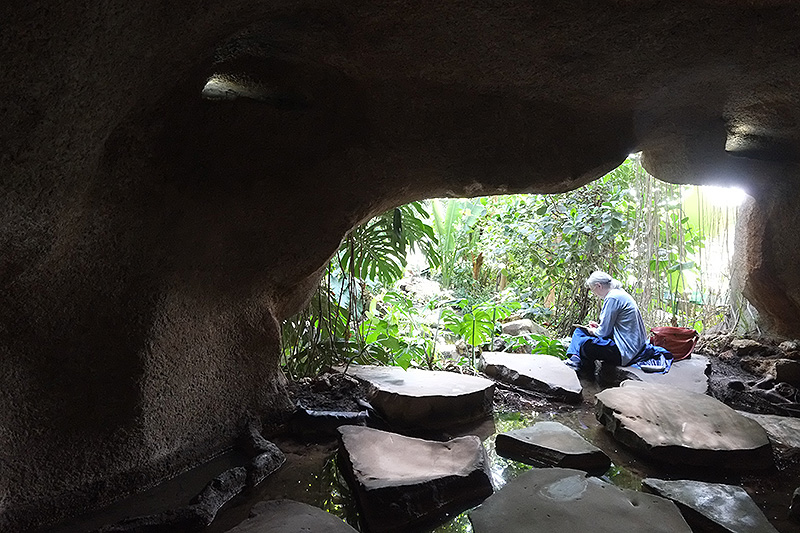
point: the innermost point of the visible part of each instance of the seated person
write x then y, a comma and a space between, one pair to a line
619, 336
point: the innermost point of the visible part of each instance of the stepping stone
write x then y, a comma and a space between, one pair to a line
681, 427
560, 500
552, 444
425, 399
781, 430
402, 483
712, 506
688, 374
535, 372
287, 516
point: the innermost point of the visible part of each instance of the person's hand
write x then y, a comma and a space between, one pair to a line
593, 324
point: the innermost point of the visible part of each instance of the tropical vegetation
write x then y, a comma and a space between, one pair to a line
503, 257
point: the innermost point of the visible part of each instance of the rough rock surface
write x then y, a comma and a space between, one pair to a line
194, 517
552, 444
712, 506
545, 374
402, 483
425, 399
682, 427
738, 388
690, 374
153, 240
781, 430
266, 457
287, 516
788, 371
558, 500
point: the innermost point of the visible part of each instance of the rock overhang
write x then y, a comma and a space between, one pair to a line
111, 197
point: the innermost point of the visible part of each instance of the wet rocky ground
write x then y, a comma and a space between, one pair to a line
312, 473
746, 375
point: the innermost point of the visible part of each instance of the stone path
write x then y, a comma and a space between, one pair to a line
425, 399
552, 444
287, 516
536, 372
712, 506
559, 500
402, 483
681, 427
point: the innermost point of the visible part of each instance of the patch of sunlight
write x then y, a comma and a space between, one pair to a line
724, 196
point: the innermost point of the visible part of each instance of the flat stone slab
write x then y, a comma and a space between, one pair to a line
535, 372
781, 430
288, 516
425, 399
712, 506
682, 427
552, 444
402, 483
560, 500
688, 374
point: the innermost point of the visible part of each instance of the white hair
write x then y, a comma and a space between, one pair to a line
598, 276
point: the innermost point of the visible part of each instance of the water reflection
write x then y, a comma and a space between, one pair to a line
340, 501
503, 470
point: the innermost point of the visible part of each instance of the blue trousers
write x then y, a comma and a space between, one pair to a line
587, 349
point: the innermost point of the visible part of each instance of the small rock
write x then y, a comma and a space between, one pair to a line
713, 344
321, 383
789, 346
737, 385
711, 506
552, 444
758, 365
448, 352
403, 484
743, 347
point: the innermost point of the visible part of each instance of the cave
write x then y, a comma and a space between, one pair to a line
176, 175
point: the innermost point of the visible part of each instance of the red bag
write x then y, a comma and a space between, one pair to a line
678, 341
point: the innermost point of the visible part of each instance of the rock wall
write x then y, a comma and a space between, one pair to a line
153, 240
767, 259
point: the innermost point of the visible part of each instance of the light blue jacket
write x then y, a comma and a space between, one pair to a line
620, 320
